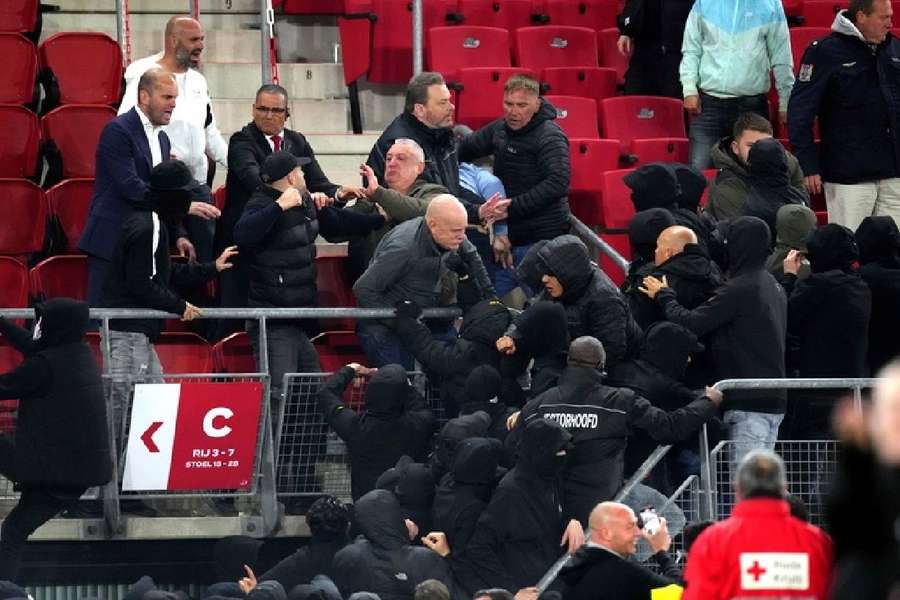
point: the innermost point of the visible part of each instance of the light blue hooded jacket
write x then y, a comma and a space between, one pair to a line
730, 46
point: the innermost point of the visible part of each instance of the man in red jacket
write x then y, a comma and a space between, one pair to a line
761, 550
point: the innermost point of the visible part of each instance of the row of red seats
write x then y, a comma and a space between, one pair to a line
76, 68
70, 132
26, 209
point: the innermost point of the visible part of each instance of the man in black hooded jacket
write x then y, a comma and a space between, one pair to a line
878, 239
746, 321
520, 533
600, 419
594, 306
462, 495
381, 560
769, 183
397, 422
61, 443
827, 313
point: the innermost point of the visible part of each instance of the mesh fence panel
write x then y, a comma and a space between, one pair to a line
809, 468
310, 458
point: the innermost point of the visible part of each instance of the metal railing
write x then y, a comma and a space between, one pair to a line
590, 237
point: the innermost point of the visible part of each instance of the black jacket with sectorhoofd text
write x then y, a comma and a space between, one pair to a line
62, 435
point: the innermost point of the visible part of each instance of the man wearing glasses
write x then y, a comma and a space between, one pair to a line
247, 150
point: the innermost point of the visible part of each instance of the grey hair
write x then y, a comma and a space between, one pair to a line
414, 146
760, 474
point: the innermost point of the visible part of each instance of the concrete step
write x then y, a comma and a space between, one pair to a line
106, 22
306, 115
342, 143
302, 81
168, 6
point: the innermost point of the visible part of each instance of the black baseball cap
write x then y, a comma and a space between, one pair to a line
278, 164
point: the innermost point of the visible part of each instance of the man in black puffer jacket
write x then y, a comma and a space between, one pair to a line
397, 422
594, 306
61, 445
531, 158
381, 560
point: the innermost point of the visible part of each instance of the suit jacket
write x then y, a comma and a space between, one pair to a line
247, 149
124, 163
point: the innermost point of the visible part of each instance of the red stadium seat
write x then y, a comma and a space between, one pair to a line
74, 132
183, 352
24, 217
337, 348
391, 60
219, 197
660, 150
18, 74
234, 354
610, 57
641, 117
588, 82
617, 206
577, 116
710, 175
13, 283
19, 16
589, 159
792, 7
481, 96
507, 14
92, 338
801, 38
335, 288
542, 47
595, 14
454, 48
821, 218
60, 276
81, 68
821, 13
325, 7
20, 140
69, 202
10, 358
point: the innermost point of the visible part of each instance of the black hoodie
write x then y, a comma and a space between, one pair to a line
141, 276
828, 310
745, 320
396, 422
382, 560
449, 437
461, 497
517, 536
594, 306
770, 185
413, 485
452, 361
541, 333
533, 164
62, 435
657, 185
879, 256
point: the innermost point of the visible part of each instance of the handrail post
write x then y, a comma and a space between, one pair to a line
264, 35
417, 37
857, 399
707, 505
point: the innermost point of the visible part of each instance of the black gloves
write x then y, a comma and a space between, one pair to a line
408, 309
456, 264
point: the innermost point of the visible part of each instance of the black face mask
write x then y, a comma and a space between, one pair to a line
173, 206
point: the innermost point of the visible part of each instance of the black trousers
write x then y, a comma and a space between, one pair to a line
36, 506
653, 71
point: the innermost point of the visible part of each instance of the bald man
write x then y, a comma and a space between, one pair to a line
688, 269
192, 129
601, 569
129, 147
421, 260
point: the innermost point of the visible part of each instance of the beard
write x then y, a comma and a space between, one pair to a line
183, 57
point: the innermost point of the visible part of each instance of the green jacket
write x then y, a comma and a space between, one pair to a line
728, 190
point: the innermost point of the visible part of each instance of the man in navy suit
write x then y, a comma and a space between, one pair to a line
130, 146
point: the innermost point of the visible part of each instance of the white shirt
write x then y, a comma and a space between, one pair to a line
271, 143
191, 138
155, 218
152, 133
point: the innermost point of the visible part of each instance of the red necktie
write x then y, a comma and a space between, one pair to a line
276, 142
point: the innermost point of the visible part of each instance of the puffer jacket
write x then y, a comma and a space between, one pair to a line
533, 164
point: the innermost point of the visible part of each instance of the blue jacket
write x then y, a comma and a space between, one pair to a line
123, 170
853, 87
730, 46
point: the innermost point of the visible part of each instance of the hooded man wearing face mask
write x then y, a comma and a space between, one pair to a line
61, 442
521, 532
769, 183
835, 294
879, 257
745, 322
141, 275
